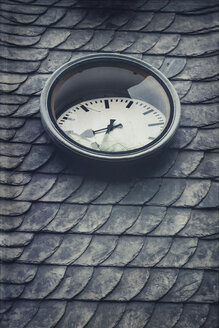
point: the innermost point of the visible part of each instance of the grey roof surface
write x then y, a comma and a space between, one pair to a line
95, 247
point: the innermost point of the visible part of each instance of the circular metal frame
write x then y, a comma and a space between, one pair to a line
61, 139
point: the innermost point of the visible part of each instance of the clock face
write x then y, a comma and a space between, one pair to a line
112, 124
110, 107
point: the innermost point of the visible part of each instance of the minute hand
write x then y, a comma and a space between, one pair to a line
108, 128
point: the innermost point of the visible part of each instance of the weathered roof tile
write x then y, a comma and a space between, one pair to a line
120, 220
71, 248
15, 238
51, 16
17, 273
26, 54
74, 282
76, 40
46, 280
41, 247
164, 279
67, 217
52, 38
102, 283
13, 208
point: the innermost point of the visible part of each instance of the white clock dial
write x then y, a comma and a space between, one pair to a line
112, 124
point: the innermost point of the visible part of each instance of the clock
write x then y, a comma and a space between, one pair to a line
110, 107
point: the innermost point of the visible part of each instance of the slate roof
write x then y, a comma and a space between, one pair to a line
80, 249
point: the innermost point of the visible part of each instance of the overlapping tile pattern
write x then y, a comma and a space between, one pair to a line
137, 249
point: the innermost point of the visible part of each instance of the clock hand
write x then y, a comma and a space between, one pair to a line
90, 133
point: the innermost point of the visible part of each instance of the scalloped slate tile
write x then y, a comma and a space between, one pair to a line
170, 314
126, 250
205, 140
199, 115
28, 109
13, 149
76, 40
10, 254
10, 192
155, 61
160, 22
39, 186
149, 218
202, 223
19, 40
18, 17
117, 19
173, 222
183, 137
94, 18
71, 248
72, 18
136, 315
8, 223
194, 192
141, 43
22, 9
53, 38
14, 178
33, 84
31, 130
13, 66
193, 316
159, 283
46, 280
169, 192
107, 315
7, 109
142, 192
6, 135
51, 16
99, 249
99, 40
208, 290
9, 292
165, 44
120, 42
77, 314
88, 191
121, 219
94, 218
8, 88
173, 66
186, 285
17, 273
67, 217
15, 238
74, 281
182, 87
53, 61
42, 246
138, 21
206, 255
103, 281
25, 54
201, 45
188, 6
179, 253
213, 317
199, 68
13, 208
64, 186
209, 166
34, 220
55, 164
115, 191
131, 283
200, 92
48, 314
211, 199
38, 156
20, 314
154, 249
193, 23
186, 163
